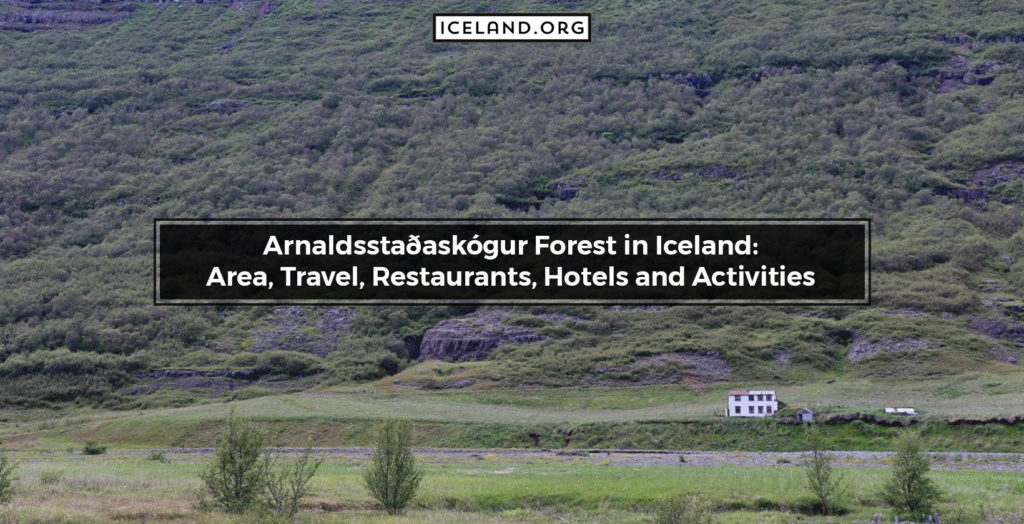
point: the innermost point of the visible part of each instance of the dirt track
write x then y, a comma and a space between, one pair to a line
859, 459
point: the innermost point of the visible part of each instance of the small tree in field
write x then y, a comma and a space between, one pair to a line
909, 490
824, 482
238, 475
7, 468
392, 477
685, 509
287, 484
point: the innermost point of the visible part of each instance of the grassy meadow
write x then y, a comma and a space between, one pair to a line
63, 487
649, 417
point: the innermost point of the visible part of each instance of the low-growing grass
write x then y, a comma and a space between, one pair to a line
651, 417
131, 487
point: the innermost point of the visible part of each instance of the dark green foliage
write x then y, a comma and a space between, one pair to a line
823, 480
392, 476
288, 363
786, 109
910, 490
288, 483
237, 478
684, 509
42, 378
93, 448
7, 477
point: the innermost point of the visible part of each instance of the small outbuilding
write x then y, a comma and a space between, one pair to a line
804, 416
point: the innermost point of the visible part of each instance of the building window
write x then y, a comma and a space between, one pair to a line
760, 397
737, 409
750, 397
738, 398
769, 410
760, 409
750, 409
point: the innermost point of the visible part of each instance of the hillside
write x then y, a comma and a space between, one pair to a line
113, 114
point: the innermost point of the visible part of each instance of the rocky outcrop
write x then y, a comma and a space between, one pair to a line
567, 189
969, 195
225, 107
1005, 355
985, 179
237, 374
36, 15
700, 82
960, 71
863, 348
302, 329
997, 328
999, 173
29, 15
472, 337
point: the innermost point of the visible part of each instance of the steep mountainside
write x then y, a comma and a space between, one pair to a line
116, 113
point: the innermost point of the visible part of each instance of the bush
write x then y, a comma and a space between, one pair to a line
822, 479
288, 363
288, 484
51, 477
909, 490
685, 509
159, 456
93, 448
238, 475
7, 478
392, 477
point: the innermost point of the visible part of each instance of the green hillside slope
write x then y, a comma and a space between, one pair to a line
112, 115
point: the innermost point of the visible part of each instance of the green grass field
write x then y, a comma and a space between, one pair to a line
654, 417
61, 487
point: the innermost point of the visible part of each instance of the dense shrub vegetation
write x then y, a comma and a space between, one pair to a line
7, 471
347, 109
392, 476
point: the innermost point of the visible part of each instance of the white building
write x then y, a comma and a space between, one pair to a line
901, 411
745, 403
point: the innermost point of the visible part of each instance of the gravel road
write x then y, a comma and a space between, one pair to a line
859, 459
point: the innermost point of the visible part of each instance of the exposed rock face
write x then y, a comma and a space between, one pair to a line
985, 178
298, 329
30, 15
997, 328
567, 189
225, 107
863, 348
1003, 354
36, 15
472, 337
968, 194
700, 82
999, 173
959, 71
